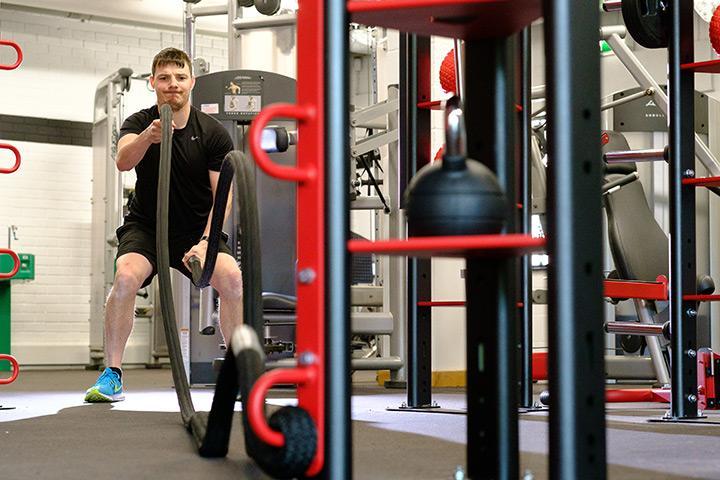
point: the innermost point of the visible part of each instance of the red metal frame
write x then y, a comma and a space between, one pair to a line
15, 369
657, 290
256, 402
701, 298
432, 105
702, 181
708, 396
540, 366
709, 66
16, 263
15, 151
18, 50
631, 395
441, 303
457, 246
309, 173
448, 18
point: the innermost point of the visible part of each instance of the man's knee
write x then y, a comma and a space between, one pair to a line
229, 284
129, 277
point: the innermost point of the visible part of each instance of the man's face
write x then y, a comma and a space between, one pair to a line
172, 85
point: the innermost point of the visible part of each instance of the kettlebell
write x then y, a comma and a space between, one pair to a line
457, 196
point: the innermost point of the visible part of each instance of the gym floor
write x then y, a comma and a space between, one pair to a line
51, 434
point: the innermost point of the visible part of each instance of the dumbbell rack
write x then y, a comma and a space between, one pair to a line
6, 251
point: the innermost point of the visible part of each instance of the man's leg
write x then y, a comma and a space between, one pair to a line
132, 270
227, 280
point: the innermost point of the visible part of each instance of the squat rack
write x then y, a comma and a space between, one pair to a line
577, 440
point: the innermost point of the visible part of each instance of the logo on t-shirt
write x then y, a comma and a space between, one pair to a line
194, 137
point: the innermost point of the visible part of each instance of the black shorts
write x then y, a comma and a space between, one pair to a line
134, 237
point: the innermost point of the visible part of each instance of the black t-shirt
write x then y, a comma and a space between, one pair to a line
198, 147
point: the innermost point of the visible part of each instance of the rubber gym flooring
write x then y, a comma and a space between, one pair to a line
51, 434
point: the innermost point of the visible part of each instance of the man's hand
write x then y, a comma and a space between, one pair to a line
199, 251
154, 131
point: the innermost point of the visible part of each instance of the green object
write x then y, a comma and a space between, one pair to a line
605, 47
26, 272
27, 266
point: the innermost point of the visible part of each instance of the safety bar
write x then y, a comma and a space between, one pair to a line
16, 263
612, 6
256, 400
651, 155
15, 369
17, 158
18, 50
302, 114
634, 328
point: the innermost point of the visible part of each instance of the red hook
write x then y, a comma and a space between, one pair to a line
14, 45
17, 158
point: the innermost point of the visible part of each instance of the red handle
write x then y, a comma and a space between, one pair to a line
302, 114
256, 402
17, 50
16, 263
17, 158
15, 367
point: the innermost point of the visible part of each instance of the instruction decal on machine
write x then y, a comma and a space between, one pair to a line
210, 108
243, 95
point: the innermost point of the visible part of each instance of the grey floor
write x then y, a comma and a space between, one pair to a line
51, 434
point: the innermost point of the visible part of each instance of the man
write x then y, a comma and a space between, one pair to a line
199, 144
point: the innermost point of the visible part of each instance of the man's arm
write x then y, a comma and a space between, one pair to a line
132, 147
200, 249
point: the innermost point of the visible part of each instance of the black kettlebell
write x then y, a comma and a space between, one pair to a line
458, 196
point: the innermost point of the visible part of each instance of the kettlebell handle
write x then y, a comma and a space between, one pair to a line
455, 137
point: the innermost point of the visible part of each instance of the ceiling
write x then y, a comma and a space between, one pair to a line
165, 12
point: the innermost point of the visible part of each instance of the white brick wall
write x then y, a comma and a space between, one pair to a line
49, 197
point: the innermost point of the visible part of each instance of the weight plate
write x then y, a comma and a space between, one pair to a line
647, 21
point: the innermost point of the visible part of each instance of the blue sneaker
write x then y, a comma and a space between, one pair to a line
108, 388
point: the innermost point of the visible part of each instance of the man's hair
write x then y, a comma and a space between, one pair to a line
173, 56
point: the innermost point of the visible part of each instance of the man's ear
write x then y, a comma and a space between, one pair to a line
152, 81
192, 84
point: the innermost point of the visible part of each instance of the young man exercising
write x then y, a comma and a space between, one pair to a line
199, 145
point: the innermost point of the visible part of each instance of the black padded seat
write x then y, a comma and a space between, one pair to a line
638, 245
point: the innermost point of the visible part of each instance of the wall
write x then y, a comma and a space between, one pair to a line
49, 197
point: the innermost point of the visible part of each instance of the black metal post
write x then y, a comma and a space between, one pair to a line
491, 293
338, 439
683, 315
414, 153
526, 326
576, 370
